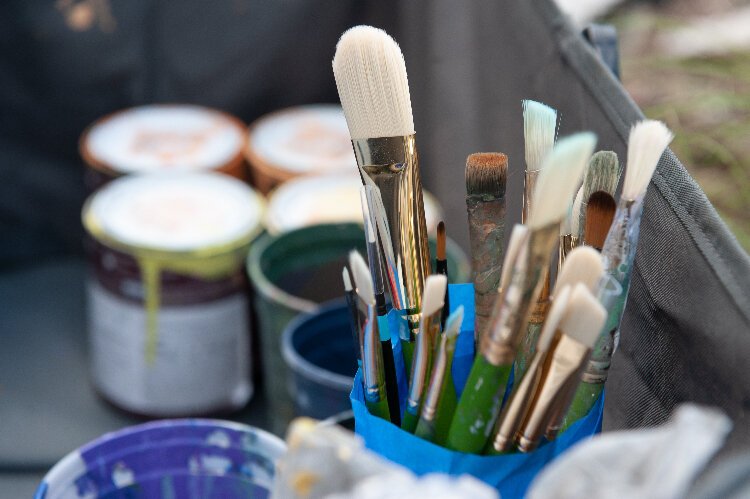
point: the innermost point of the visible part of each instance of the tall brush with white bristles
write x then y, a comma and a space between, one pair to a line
539, 132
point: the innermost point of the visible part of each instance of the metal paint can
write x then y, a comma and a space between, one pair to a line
163, 138
303, 140
326, 199
168, 307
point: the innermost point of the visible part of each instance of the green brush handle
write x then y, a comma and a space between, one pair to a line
425, 430
584, 399
407, 347
378, 408
478, 407
409, 422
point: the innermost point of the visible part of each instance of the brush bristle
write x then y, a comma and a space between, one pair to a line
454, 321
602, 174
486, 174
559, 178
575, 213
599, 214
370, 75
647, 142
539, 128
551, 323
584, 316
347, 279
582, 265
517, 240
362, 278
434, 294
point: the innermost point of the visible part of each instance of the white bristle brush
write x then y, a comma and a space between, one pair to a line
362, 278
583, 265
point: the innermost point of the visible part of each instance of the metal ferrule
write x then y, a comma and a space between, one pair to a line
422, 363
510, 420
566, 363
515, 305
529, 184
439, 377
567, 243
372, 358
392, 164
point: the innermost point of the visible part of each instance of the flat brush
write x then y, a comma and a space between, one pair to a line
374, 256
371, 79
373, 375
429, 328
353, 314
599, 214
440, 399
514, 412
603, 174
647, 142
441, 267
486, 175
579, 328
482, 397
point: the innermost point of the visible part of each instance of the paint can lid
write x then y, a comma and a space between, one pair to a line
328, 198
175, 213
301, 140
168, 138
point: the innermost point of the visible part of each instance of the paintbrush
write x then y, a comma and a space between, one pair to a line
483, 395
514, 412
374, 256
486, 175
602, 174
353, 314
372, 84
569, 239
579, 328
441, 267
539, 130
373, 376
647, 142
429, 328
440, 399
599, 214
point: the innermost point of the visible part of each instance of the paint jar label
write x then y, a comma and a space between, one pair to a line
201, 362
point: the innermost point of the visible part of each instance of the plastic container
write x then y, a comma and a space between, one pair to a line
187, 458
168, 307
294, 273
161, 138
320, 354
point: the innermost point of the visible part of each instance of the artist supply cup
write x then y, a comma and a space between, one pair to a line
189, 458
321, 358
293, 273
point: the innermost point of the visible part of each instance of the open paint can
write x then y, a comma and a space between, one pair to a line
297, 141
163, 138
190, 459
325, 199
168, 307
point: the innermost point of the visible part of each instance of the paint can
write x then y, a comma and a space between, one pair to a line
327, 198
302, 140
188, 458
168, 307
163, 138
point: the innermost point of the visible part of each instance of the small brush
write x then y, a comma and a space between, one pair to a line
579, 328
441, 267
510, 420
429, 328
602, 174
647, 142
599, 214
482, 397
353, 314
372, 355
371, 79
440, 399
486, 175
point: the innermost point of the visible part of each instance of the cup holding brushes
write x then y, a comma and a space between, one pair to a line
373, 370
646, 144
371, 79
421, 367
440, 399
482, 397
579, 328
486, 175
